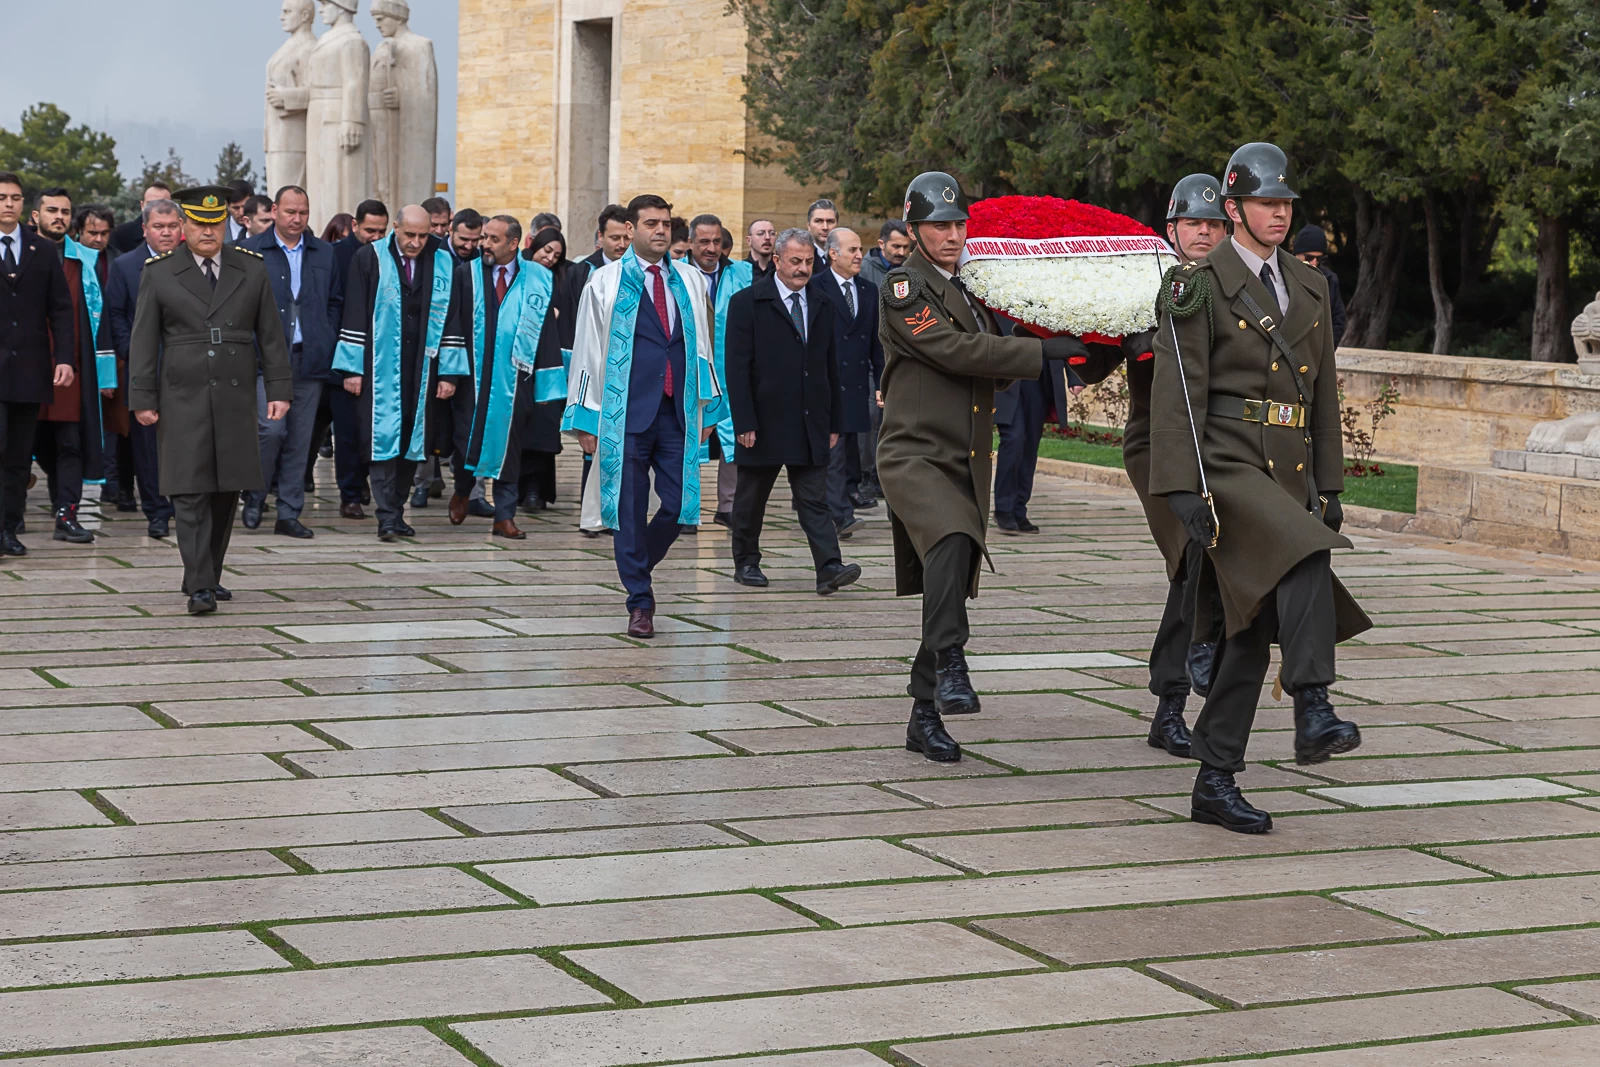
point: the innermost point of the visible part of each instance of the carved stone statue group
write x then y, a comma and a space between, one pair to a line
348, 123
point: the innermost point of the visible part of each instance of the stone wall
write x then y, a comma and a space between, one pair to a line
1456, 410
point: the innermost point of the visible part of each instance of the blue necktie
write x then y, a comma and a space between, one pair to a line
797, 313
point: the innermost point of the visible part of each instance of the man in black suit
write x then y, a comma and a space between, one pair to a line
349, 454
35, 349
783, 389
821, 217
611, 237
130, 234
239, 194
855, 318
163, 229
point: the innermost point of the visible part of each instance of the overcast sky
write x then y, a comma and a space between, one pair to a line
158, 76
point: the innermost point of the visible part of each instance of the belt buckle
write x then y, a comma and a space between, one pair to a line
1252, 411
216, 336
1267, 324
1282, 415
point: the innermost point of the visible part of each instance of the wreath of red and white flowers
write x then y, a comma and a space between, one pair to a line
1061, 266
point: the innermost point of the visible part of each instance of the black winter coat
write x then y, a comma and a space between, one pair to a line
35, 322
784, 389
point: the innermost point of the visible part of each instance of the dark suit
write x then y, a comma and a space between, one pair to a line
860, 364
126, 237
785, 387
349, 456
192, 359
141, 464
35, 338
286, 443
69, 442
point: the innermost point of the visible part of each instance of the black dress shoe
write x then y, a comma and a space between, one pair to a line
835, 578
1318, 732
10, 546
480, 508
750, 574
157, 528
723, 518
365, 497
1167, 729
351, 510
401, 528
67, 528
202, 603
311, 485
326, 451
925, 733
1025, 526
1216, 799
848, 528
387, 532
863, 501
126, 503
1202, 664
250, 514
291, 528
1006, 523
954, 694
222, 592
533, 502
419, 497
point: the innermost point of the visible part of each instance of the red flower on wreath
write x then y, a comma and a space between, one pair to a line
1036, 217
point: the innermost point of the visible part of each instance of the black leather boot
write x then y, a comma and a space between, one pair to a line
68, 529
954, 694
1318, 732
1202, 665
925, 733
1217, 800
1167, 729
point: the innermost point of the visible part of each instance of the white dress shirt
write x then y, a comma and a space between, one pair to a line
785, 293
16, 244
1253, 264
506, 270
666, 280
847, 286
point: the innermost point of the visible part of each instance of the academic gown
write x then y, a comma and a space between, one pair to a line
401, 339
515, 349
731, 278
602, 361
95, 362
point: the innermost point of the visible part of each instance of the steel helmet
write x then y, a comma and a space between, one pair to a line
934, 196
1261, 169
1196, 196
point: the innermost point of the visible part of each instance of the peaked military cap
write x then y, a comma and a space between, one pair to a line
205, 204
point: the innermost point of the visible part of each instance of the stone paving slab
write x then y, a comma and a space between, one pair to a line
1277, 801
327, 796
116, 959
200, 1007
1496, 959
29, 811
753, 772
181, 868
128, 909
208, 712
217, 836
767, 964
1263, 1030
468, 729
951, 820
1085, 785
893, 734
391, 1046
1515, 858
575, 924
1171, 930
558, 751
121, 773
1548, 1048
514, 847
1115, 887
770, 1024
144, 743
665, 874
1461, 909
1412, 795
74, 720
836, 1058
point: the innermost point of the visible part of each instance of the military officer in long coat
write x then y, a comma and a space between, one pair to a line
944, 355
1246, 447
203, 312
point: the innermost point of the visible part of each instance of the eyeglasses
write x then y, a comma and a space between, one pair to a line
1312, 258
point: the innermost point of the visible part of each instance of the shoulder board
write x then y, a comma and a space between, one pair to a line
901, 288
247, 251
164, 255
1185, 290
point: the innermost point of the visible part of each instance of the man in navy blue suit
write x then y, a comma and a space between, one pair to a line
855, 329
163, 230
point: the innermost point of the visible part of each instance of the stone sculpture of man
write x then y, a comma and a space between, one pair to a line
288, 93
404, 101
338, 150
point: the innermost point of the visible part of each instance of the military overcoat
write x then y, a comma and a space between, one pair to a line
1259, 474
942, 364
192, 359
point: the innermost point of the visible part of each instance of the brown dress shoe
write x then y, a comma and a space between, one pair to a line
352, 510
458, 509
642, 622
507, 528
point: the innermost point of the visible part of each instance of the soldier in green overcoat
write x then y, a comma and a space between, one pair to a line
203, 310
944, 356
1246, 446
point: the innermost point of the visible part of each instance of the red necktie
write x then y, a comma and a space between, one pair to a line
411, 266
500, 284
659, 298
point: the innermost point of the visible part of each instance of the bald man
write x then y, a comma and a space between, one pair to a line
400, 309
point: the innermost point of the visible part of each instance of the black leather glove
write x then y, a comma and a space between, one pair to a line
1135, 345
1064, 347
1332, 511
1192, 510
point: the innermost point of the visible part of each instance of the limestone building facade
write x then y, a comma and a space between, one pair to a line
572, 104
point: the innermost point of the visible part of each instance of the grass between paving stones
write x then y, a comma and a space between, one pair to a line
104, 806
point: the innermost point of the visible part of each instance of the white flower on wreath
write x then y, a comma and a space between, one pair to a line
1111, 295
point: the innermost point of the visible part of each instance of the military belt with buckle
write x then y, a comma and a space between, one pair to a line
1266, 412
